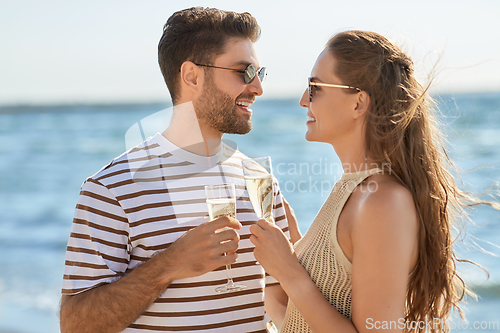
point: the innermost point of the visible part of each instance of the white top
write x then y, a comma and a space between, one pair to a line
142, 202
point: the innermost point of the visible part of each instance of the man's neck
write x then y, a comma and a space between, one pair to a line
187, 133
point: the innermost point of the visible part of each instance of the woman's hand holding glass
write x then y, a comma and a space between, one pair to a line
273, 250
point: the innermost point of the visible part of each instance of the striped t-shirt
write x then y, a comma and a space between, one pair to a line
141, 203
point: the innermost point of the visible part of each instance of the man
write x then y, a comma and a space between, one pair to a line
142, 255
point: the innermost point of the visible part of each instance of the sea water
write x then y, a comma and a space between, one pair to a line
46, 153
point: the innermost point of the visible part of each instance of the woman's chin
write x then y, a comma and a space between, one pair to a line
310, 137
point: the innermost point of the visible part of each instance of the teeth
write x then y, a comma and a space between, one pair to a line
244, 104
311, 118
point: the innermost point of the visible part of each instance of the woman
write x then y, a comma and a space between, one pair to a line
380, 249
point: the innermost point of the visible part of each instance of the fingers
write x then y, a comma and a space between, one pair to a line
202, 250
293, 225
254, 240
255, 229
228, 259
225, 253
265, 224
265, 233
258, 230
228, 247
262, 226
226, 235
221, 222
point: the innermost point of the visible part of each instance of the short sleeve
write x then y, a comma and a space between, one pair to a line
98, 249
280, 220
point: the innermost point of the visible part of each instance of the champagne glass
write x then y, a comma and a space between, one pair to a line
221, 201
259, 181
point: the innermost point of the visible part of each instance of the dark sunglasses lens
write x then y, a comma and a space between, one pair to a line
310, 90
250, 73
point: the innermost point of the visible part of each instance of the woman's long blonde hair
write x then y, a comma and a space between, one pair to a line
402, 132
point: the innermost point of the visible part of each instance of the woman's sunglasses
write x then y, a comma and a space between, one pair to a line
249, 73
311, 87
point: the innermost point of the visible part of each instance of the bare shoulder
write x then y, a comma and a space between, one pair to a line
385, 202
386, 228
384, 193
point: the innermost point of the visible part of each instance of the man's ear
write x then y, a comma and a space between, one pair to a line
362, 104
191, 77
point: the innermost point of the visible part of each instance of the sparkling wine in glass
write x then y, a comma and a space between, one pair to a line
221, 201
259, 181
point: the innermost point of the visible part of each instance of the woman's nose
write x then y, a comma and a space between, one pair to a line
304, 101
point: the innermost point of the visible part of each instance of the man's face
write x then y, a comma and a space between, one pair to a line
226, 99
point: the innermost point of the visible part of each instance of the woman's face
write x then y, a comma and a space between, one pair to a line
331, 112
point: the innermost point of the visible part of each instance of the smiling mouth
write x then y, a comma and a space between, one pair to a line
310, 119
244, 105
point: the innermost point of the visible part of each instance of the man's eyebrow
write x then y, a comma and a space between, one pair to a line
242, 63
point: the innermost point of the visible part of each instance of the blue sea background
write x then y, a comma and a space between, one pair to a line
48, 151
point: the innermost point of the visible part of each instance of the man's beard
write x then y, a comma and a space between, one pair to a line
218, 110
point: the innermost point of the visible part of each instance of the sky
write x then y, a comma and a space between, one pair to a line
105, 51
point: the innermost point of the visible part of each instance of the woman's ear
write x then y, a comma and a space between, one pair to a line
362, 104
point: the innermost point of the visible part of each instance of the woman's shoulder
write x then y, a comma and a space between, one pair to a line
384, 200
384, 191
386, 223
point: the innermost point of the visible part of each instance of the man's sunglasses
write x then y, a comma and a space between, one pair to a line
311, 87
250, 72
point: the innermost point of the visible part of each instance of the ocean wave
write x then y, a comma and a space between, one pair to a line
487, 290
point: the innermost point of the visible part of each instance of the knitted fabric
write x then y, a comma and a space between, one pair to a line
321, 255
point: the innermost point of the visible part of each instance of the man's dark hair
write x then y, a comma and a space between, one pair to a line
199, 35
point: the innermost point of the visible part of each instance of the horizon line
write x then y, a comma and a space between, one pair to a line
168, 102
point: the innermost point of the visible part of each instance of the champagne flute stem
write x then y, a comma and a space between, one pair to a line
229, 275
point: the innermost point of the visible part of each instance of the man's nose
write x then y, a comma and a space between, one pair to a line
256, 87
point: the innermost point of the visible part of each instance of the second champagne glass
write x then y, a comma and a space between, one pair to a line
258, 174
221, 201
